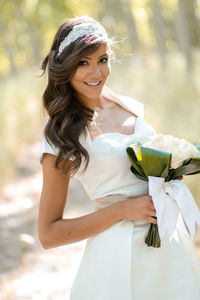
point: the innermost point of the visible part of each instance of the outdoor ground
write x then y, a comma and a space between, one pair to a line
27, 271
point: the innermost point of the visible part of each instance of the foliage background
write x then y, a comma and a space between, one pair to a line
158, 46
158, 52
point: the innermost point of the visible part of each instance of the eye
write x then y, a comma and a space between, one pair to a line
104, 60
82, 63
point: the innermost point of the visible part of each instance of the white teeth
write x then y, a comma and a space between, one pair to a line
91, 83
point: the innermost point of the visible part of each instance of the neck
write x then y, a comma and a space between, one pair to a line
91, 103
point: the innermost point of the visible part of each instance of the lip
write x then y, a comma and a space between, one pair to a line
94, 86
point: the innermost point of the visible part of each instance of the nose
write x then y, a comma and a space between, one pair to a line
95, 71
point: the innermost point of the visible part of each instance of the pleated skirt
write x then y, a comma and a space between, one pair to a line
118, 265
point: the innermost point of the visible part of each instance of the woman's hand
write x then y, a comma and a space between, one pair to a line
179, 178
139, 208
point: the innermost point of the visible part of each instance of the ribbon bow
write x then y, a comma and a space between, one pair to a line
175, 207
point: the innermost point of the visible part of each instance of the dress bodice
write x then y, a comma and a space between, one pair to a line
108, 171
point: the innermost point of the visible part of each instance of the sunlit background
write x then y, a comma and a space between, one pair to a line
158, 58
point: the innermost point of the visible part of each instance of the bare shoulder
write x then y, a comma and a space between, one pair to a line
118, 108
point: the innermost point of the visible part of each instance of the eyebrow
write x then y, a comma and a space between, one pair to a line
106, 54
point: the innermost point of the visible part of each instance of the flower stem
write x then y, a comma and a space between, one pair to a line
153, 239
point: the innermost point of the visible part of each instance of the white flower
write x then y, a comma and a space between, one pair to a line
179, 148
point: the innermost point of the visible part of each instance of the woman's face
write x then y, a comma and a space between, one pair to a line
91, 74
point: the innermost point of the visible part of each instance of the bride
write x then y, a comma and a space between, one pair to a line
87, 132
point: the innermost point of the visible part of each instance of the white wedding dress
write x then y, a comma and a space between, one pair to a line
116, 263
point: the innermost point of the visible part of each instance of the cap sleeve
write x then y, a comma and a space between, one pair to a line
47, 148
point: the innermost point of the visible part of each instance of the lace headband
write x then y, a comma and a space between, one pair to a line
80, 30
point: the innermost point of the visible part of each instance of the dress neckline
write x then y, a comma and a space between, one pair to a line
103, 135
128, 103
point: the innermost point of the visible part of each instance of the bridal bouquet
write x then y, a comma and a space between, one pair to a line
160, 161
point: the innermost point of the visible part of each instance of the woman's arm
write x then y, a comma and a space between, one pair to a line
55, 231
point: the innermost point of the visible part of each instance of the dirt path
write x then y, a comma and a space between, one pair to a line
27, 271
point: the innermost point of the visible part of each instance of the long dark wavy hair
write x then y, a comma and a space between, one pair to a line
67, 116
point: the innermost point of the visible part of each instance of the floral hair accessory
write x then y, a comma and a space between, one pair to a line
80, 30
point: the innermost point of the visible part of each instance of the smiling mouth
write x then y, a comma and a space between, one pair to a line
93, 83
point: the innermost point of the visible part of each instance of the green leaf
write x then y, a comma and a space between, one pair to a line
165, 172
191, 168
154, 162
196, 144
133, 159
135, 172
151, 162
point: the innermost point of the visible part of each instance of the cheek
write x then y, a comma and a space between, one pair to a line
78, 77
107, 70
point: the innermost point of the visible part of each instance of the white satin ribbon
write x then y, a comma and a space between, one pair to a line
175, 207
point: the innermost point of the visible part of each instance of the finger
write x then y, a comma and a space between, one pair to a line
152, 220
149, 198
151, 206
153, 213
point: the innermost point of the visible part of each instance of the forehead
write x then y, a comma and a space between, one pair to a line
102, 49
